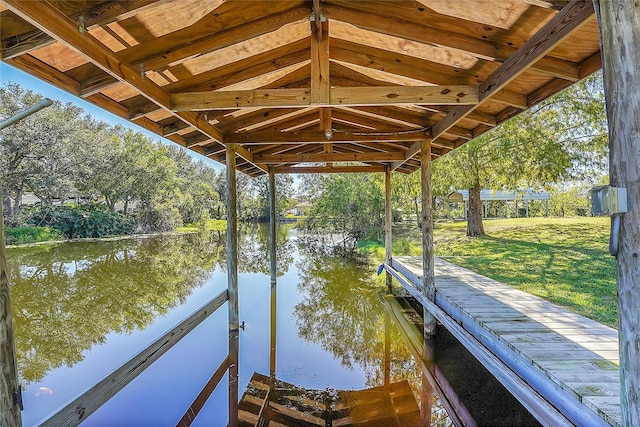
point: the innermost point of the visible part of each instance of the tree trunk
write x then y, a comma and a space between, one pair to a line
620, 36
126, 207
6, 203
18, 199
474, 220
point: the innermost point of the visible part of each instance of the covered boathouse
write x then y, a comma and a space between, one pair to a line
292, 86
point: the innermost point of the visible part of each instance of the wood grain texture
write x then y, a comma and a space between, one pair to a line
9, 411
620, 27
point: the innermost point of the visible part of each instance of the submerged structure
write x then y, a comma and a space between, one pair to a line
295, 86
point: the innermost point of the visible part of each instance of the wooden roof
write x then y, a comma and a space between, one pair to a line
307, 86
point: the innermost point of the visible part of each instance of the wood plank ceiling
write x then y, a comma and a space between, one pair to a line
307, 86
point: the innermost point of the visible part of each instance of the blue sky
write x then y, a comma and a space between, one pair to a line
11, 74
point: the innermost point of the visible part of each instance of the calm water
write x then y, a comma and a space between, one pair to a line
83, 309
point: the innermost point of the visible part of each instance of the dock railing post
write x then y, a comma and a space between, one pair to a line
272, 223
232, 282
428, 275
619, 23
273, 253
9, 409
388, 236
10, 393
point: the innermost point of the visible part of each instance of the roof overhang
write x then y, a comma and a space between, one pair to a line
307, 86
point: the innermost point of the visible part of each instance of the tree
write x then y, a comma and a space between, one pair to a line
38, 154
564, 137
353, 203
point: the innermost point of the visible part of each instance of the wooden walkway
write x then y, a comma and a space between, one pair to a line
564, 356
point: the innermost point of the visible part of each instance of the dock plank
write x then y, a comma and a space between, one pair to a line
577, 354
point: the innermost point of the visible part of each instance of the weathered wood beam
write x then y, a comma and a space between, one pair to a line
9, 383
619, 23
428, 261
94, 16
401, 95
319, 137
348, 96
50, 20
330, 169
232, 280
320, 86
328, 157
572, 17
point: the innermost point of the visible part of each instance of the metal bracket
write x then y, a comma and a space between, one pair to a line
17, 398
81, 25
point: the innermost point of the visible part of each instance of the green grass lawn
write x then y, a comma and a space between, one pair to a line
210, 225
563, 260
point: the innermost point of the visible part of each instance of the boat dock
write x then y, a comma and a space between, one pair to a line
556, 360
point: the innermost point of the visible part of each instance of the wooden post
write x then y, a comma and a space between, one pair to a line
387, 220
272, 223
620, 37
232, 282
428, 279
387, 349
9, 410
273, 253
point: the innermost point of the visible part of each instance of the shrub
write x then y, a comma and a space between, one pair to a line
83, 221
20, 235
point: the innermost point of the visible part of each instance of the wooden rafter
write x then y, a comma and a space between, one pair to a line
316, 79
50, 20
348, 96
554, 32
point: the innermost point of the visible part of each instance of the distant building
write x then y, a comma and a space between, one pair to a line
507, 197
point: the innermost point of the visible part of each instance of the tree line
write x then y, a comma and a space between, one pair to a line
111, 175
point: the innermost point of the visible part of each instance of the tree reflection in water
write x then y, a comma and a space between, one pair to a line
68, 297
340, 311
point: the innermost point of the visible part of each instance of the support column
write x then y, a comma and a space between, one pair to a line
546, 208
466, 210
387, 349
272, 223
526, 204
232, 282
388, 236
273, 259
517, 212
620, 38
428, 278
9, 411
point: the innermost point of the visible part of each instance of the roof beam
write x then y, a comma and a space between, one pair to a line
570, 18
163, 52
50, 20
329, 169
339, 96
328, 157
320, 88
319, 137
100, 14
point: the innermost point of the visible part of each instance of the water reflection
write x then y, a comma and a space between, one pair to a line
333, 328
69, 297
